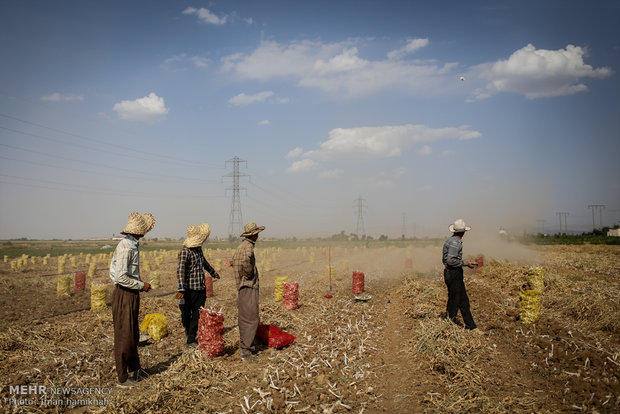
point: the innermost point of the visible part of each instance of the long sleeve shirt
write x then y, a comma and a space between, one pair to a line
190, 270
244, 265
453, 252
125, 265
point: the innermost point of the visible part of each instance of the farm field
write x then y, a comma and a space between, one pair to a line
393, 353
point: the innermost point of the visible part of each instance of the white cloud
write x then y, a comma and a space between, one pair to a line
264, 122
337, 172
412, 46
385, 141
243, 99
249, 21
283, 100
336, 68
425, 150
178, 63
148, 109
58, 97
539, 73
294, 153
206, 16
302, 166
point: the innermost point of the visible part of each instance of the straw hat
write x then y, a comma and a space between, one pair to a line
139, 223
196, 235
458, 226
251, 229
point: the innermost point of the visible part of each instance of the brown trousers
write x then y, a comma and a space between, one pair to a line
125, 308
247, 305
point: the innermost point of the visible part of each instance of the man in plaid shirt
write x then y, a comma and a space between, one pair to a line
191, 287
246, 277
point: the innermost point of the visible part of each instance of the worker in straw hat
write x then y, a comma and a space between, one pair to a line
191, 289
453, 274
246, 277
125, 273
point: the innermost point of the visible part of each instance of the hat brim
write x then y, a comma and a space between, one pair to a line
453, 230
253, 232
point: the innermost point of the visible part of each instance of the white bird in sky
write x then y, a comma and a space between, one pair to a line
462, 78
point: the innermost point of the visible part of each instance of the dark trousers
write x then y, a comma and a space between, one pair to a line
190, 312
457, 297
247, 305
125, 308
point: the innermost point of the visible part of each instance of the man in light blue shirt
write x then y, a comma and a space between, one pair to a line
125, 273
453, 275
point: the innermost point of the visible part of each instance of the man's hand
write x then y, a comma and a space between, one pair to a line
470, 265
179, 295
147, 287
216, 275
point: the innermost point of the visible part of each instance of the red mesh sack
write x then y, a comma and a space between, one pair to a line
209, 285
358, 282
408, 263
273, 337
480, 261
290, 296
210, 332
80, 281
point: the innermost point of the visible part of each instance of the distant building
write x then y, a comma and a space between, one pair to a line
613, 232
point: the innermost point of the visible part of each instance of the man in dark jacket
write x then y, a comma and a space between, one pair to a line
191, 288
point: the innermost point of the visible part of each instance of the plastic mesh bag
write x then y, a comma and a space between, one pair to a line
274, 337
156, 325
98, 297
529, 306
279, 288
64, 286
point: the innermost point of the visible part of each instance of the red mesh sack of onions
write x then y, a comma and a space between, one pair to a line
210, 332
290, 296
274, 337
209, 285
358, 282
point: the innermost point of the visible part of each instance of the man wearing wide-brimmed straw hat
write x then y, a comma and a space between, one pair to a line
125, 273
453, 274
246, 277
191, 288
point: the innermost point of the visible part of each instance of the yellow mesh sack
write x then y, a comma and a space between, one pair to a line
64, 286
278, 291
529, 306
156, 325
535, 278
92, 268
155, 283
98, 297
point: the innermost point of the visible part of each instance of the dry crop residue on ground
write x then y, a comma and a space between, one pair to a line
394, 353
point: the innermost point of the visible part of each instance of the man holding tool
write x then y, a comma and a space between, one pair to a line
453, 275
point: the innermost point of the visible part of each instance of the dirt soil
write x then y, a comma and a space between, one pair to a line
389, 349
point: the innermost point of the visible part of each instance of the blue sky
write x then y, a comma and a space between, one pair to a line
500, 112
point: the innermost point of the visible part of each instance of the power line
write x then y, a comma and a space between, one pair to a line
142, 151
109, 167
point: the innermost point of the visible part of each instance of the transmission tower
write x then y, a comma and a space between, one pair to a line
361, 207
600, 208
563, 214
235, 223
404, 227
